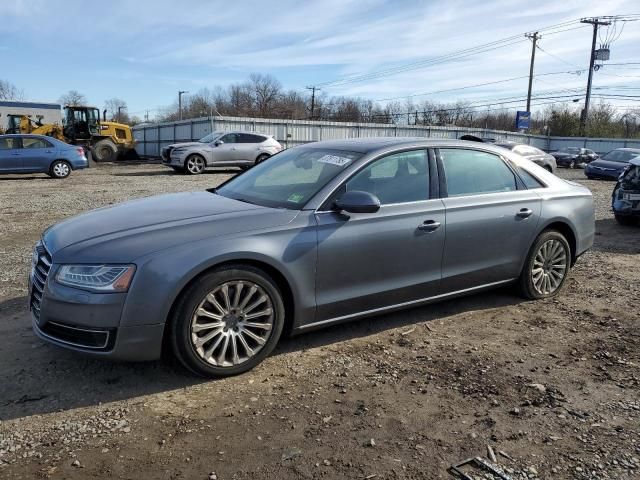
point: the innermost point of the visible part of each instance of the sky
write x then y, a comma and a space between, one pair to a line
144, 51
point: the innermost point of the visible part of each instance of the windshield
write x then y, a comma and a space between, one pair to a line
290, 178
570, 150
210, 138
622, 156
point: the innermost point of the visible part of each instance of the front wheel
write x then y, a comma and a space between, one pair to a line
59, 169
227, 322
195, 165
546, 267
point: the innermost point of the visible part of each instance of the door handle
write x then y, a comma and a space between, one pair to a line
524, 213
16, 153
429, 226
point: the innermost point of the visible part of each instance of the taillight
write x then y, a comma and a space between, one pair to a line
80, 150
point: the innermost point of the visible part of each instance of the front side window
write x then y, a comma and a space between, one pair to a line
398, 178
230, 138
471, 172
289, 179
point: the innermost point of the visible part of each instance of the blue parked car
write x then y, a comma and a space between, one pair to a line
625, 200
611, 166
40, 154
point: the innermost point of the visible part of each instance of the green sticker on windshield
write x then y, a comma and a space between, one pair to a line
295, 197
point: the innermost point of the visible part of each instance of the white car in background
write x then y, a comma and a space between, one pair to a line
220, 149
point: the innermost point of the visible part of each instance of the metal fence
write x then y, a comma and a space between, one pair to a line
152, 137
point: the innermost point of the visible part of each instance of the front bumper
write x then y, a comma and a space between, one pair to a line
87, 322
601, 174
624, 207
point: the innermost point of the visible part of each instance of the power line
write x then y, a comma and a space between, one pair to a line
553, 29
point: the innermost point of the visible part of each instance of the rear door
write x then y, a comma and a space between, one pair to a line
11, 154
38, 154
491, 219
249, 145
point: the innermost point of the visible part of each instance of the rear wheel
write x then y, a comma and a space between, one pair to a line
227, 322
626, 221
105, 151
195, 164
262, 158
59, 169
546, 267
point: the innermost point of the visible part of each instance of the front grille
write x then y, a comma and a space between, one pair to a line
79, 337
166, 154
39, 277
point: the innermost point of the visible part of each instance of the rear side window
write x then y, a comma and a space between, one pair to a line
529, 180
249, 138
9, 143
471, 172
35, 143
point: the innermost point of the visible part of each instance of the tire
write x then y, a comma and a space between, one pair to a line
262, 158
178, 169
626, 221
60, 169
195, 164
105, 151
572, 164
207, 358
549, 247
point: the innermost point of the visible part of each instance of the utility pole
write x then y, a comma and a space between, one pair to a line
313, 99
534, 40
596, 22
146, 116
180, 93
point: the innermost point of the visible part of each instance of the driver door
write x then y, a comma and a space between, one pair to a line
370, 261
227, 151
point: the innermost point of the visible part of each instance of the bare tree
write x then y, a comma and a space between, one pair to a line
117, 109
73, 97
265, 90
8, 91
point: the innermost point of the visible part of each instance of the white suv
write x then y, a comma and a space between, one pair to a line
220, 149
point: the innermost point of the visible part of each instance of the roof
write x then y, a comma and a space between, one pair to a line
366, 145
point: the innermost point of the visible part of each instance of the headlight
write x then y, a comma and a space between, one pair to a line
102, 278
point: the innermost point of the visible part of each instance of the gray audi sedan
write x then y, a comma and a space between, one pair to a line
314, 236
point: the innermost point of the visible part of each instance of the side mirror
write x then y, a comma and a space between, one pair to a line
218, 143
357, 201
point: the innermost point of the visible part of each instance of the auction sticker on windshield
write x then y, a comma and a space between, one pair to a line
295, 197
334, 160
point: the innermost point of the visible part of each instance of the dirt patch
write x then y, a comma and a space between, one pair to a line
553, 385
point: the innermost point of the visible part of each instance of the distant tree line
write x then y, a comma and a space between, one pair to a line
263, 96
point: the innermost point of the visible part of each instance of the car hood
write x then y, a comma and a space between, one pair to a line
124, 232
607, 164
563, 155
188, 144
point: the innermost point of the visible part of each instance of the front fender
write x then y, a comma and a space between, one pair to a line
163, 275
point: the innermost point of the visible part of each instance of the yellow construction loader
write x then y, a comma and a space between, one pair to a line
81, 125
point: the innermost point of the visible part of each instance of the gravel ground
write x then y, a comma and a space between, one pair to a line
551, 386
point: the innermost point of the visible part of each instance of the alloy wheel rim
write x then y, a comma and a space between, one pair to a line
549, 267
61, 169
232, 323
195, 165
